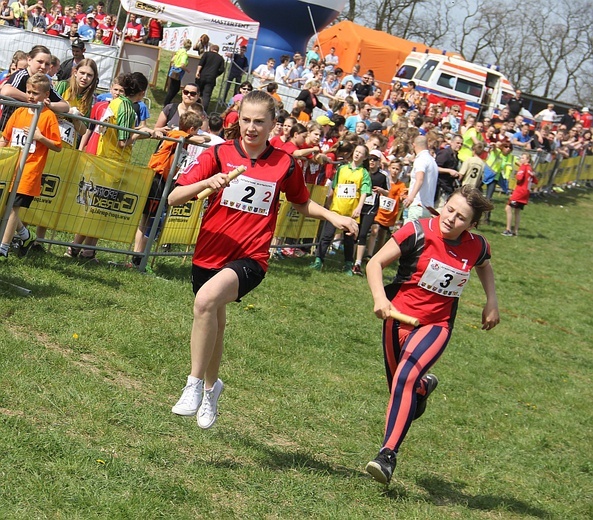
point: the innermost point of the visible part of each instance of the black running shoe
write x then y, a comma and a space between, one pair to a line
431, 384
26, 244
381, 468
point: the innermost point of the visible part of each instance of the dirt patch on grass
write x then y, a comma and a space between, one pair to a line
87, 362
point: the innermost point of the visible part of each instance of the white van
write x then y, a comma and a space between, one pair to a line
452, 77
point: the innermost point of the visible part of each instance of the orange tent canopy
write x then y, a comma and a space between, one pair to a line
376, 50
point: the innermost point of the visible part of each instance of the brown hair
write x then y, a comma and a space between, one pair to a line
188, 120
84, 95
476, 200
259, 97
40, 80
478, 147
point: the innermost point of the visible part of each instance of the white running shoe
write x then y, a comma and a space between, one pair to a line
208, 411
190, 400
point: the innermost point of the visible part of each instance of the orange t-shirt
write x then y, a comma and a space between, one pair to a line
303, 117
372, 100
13, 134
161, 160
387, 214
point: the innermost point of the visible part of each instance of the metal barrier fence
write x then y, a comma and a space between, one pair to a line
103, 198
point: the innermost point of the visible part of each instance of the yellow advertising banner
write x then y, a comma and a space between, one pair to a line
182, 224
310, 225
104, 198
9, 158
289, 222
543, 172
587, 171
45, 210
567, 171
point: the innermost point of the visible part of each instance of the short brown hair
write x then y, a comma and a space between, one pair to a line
41, 81
188, 120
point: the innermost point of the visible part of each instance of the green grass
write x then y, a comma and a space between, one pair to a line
91, 364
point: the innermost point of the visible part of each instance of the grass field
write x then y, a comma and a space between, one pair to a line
91, 364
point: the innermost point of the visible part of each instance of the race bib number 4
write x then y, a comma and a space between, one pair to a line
443, 279
249, 195
67, 132
346, 191
19, 138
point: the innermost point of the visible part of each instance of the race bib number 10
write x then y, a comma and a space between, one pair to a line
249, 195
19, 138
443, 279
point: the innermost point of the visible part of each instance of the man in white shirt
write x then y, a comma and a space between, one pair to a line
423, 182
281, 76
295, 71
331, 60
264, 73
547, 116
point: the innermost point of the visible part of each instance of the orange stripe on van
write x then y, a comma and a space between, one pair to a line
466, 69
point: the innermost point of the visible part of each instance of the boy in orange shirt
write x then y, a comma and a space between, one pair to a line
46, 137
389, 207
161, 162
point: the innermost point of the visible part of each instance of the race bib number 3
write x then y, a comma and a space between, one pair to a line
249, 195
443, 279
19, 138
346, 191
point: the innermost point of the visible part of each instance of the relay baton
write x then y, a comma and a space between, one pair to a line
404, 318
232, 175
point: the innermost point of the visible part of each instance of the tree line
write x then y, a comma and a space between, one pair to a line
544, 47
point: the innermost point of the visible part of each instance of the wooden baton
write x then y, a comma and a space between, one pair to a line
404, 318
232, 175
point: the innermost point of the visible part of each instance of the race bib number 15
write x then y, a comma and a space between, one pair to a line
386, 204
249, 195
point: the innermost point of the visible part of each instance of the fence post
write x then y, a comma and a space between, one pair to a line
161, 207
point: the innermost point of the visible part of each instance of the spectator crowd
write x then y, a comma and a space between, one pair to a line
386, 153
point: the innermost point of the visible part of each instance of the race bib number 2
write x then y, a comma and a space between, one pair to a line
443, 279
249, 195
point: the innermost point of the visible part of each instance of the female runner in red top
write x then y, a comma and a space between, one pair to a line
435, 256
232, 250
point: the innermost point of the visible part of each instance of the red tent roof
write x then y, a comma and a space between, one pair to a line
219, 15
